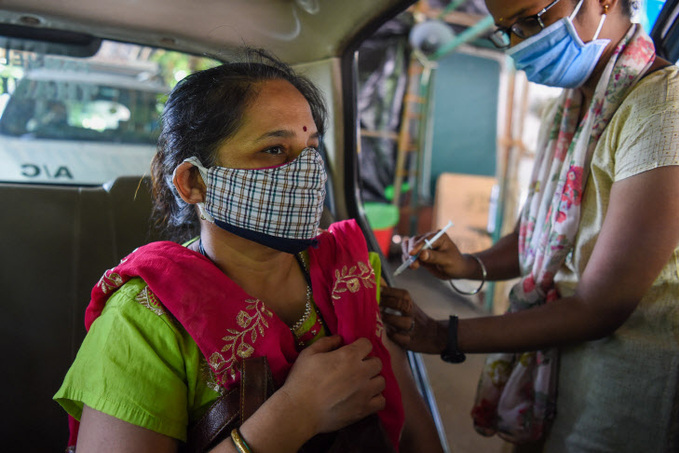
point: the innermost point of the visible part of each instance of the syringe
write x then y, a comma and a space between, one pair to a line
427, 245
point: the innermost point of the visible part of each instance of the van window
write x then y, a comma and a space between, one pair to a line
85, 121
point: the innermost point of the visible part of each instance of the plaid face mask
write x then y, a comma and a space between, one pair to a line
279, 207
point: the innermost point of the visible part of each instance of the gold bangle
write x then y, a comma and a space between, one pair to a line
484, 274
239, 442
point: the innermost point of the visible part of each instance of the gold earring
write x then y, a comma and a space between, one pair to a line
605, 9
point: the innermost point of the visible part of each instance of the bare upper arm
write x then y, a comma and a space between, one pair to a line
638, 236
103, 433
419, 432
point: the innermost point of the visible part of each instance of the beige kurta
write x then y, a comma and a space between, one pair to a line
621, 393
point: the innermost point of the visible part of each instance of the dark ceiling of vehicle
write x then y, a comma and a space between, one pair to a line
297, 31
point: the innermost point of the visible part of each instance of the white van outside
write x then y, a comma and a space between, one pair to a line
68, 121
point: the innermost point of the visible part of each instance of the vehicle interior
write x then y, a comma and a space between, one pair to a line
63, 236
63, 229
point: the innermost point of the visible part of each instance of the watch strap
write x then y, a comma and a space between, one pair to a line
451, 354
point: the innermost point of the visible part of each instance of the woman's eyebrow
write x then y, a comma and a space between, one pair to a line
282, 133
279, 133
513, 16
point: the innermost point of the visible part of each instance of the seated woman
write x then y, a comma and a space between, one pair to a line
169, 326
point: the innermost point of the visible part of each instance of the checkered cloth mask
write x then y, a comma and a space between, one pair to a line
277, 206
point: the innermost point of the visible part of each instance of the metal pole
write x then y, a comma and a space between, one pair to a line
469, 34
451, 7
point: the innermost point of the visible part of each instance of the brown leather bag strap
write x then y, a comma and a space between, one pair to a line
255, 387
232, 408
216, 424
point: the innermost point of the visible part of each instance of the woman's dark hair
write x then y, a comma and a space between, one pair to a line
203, 110
628, 7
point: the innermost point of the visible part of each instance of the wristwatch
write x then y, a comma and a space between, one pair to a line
451, 354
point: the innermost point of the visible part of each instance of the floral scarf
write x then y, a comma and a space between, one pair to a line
228, 325
516, 396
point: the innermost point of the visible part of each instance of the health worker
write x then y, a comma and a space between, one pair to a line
587, 357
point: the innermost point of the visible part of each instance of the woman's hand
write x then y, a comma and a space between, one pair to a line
336, 385
411, 329
443, 260
329, 387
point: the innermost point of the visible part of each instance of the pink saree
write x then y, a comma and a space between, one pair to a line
228, 325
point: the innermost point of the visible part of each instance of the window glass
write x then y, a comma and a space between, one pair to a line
67, 120
648, 13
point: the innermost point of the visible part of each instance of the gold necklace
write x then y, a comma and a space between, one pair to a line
307, 311
308, 305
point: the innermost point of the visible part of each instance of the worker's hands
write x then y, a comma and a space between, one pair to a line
336, 385
411, 329
443, 260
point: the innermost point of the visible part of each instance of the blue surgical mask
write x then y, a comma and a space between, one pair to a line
557, 57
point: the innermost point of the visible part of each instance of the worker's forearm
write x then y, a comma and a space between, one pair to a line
501, 260
557, 323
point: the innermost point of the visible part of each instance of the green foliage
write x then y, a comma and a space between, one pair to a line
174, 66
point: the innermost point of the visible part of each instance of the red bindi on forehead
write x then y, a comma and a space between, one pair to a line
304, 128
